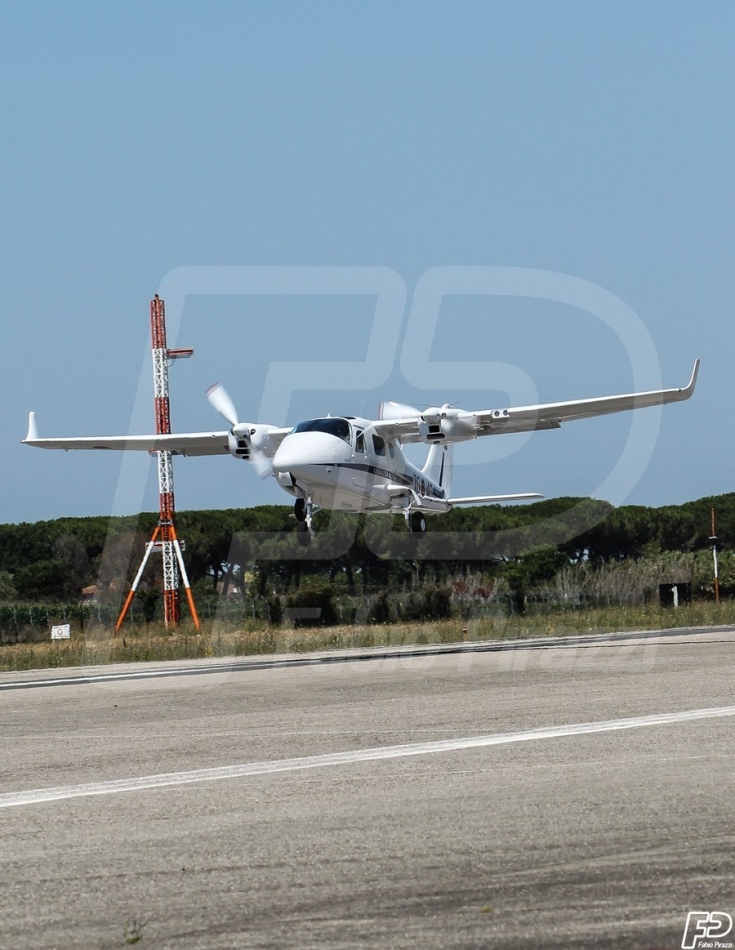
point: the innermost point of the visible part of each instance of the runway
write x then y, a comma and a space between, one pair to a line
578, 795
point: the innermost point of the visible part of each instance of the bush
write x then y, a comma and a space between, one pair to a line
51, 579
438, 603
316, 598
7, 587
380, 608
275, 611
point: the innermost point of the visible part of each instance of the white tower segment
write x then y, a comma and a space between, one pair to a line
165, 532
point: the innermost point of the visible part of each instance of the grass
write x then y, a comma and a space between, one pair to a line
97, 645
133, 931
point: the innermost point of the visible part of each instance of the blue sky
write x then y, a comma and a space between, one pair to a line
584, 139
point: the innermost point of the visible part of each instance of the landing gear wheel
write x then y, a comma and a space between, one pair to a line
417, 522
299, 509
302, 534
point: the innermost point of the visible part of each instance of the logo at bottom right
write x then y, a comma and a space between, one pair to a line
705, 929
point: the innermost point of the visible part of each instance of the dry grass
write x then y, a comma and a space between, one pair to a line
96, 645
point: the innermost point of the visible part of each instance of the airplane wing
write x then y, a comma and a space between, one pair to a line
447, 424
492, 499
183, 443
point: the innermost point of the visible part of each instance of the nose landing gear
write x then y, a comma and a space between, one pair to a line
303, 510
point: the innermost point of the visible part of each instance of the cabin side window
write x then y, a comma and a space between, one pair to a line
360, 442
378, 445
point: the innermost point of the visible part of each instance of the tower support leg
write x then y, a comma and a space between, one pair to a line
134, 585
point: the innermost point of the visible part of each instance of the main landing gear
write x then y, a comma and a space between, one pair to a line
416, 522
303, 511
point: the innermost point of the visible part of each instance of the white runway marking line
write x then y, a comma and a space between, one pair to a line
37, 795
639, 638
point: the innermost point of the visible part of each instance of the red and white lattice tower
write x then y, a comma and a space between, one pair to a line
164, 535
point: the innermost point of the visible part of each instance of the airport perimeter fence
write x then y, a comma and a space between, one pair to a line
320, 607
24, 623
311, 607
31, 623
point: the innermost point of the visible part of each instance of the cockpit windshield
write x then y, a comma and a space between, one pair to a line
338, 427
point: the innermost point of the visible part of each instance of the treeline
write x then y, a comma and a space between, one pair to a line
565, 550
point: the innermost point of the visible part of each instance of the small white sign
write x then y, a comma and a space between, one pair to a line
61, 632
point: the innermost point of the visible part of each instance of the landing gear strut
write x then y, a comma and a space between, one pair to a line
303, 510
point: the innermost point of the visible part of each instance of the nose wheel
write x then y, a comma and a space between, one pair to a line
303, 510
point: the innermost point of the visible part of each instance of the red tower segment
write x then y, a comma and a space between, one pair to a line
171, 610
165, 533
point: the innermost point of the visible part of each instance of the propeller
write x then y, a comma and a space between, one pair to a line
391, 411
220, 400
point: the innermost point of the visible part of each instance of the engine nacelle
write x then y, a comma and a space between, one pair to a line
247, 438
238, 441
438, 425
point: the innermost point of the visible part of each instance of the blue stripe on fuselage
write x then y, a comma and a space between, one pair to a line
408, 480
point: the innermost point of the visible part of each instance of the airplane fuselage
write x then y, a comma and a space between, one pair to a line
343, 464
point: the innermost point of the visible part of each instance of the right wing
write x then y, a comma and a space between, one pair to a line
494, 499
251, 441
185, 443
551, 415
447, 424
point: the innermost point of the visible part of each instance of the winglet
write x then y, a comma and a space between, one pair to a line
32, 428
689, 388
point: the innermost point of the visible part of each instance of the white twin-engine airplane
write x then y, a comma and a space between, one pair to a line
351, 464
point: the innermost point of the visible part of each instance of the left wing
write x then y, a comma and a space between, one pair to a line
447, 424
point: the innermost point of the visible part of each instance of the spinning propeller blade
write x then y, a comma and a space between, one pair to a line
219, 398
261, 463
390, 411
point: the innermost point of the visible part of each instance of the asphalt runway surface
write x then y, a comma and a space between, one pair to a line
573, 794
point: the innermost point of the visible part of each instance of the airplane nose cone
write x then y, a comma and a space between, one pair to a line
301, 450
